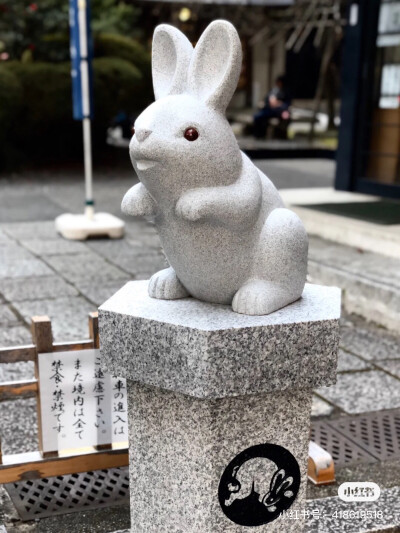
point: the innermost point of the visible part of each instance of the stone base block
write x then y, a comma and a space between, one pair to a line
208, 351
219, 407
217, 465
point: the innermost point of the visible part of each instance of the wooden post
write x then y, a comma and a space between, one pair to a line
94, 335
94, 328
42, 337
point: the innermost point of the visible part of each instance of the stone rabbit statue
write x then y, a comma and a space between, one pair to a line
221, 221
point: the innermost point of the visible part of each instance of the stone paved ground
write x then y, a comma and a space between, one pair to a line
41, 273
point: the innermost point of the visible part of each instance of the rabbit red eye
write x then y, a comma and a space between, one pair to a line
133, 130
191, 134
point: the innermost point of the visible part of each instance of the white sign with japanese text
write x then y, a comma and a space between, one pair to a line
80, 405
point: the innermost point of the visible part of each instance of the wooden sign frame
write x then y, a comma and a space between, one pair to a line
35, 465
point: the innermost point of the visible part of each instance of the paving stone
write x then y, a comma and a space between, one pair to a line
379, 268
14, 207
17, 371
31, 230
149, 263
392, 366
88, 266
114, 248
11, 251
99, 293
102, 520
14, 336
7, 317
143, 275
24, 268
320, 407
40, 288
363, 392
372, 344
18, 429
69, 316
289, 173
132, 257
146, 240
54, 247
8, 513
368, 517
348, 362
4, 237
371, 282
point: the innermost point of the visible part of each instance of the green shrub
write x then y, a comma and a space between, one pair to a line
44, 126
117, 85
38, 117
10, 107
110, 45
10, 98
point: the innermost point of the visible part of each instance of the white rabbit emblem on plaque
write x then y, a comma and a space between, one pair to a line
221, 221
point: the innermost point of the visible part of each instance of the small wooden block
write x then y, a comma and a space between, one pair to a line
321, 468
41, 334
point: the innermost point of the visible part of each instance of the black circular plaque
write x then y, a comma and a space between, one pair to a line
258, 484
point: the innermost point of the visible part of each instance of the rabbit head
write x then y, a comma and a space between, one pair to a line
183, 139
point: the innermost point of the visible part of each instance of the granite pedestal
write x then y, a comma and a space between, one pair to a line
219, 407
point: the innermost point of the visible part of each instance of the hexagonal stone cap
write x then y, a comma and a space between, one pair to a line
208, 351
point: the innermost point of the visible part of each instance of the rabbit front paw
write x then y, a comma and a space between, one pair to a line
165, 285
138, 202
191, 207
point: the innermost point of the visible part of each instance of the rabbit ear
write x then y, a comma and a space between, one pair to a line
171, 56
215, 67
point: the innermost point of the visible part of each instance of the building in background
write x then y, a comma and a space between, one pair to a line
369, 141
292, 37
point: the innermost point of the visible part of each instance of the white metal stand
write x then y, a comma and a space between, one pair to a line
81, 227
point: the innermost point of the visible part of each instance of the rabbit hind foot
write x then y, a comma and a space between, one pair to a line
259, 297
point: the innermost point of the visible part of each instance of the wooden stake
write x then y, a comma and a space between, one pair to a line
94, 335
42, 337
41, 334
94, 328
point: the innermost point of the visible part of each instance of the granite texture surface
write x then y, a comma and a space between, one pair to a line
372, 344
391, 366
39, 288
224, 229
69, 315
207, 350
180, 447
14, 335
320, 407
362, 392
348, 362
84, 266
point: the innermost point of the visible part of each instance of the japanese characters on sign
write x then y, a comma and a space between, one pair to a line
80, 405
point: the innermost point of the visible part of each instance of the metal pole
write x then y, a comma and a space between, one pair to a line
86, 124
87, 153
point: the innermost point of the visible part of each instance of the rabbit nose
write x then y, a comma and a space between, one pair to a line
142, 135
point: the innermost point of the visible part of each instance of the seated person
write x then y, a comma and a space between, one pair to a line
277, 103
